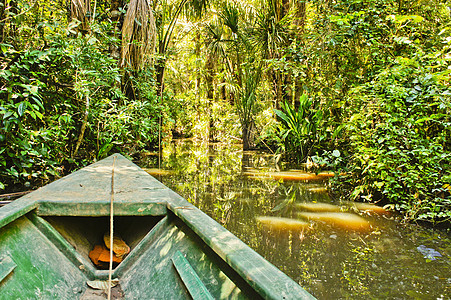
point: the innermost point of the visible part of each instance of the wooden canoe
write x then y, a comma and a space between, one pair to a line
177, 251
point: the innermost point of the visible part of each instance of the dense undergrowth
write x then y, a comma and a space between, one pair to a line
361, 87
400, 140
385, 124
62, 104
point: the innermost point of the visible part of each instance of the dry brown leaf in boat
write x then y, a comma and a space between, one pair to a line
102, 284
120, 248
95, 253
100, 256
105, 256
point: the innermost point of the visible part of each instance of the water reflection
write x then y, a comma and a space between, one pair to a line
330, 262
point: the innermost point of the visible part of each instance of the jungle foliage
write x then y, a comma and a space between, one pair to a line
63, 101
359, 86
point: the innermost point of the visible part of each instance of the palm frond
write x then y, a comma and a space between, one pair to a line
196, 8
248, 93
230, 15
269, 33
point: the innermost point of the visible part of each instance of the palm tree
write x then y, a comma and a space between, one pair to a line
215, 52
270, 36
246, 104
243, 65
167, 18
138, 35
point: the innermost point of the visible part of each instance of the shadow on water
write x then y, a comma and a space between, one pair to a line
385, 259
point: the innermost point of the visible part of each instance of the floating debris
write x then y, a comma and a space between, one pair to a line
428, 253
318, 207
158, 172
367, 207
279, 223
339, 219
320, 190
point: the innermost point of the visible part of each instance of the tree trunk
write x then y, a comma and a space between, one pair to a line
81, 10
300, 24
13, 11
245, 133
248, 135
299, 21
209, 78
276, 76
285, 8
2, 16
83, 127
114, 8
160, 66
117, 19
298, 91
287, 88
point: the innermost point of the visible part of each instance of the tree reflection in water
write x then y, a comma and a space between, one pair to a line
329, 262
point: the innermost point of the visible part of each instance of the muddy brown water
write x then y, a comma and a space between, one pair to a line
387, 260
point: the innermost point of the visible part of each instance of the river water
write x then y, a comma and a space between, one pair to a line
387, 260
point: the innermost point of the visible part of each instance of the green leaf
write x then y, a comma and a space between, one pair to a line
404, 18
7, 114
282, 115
21, 109
38, 101
32, 114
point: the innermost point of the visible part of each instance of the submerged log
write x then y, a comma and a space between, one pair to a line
318, 207
158, 172
289, 175
278, 223
338, 219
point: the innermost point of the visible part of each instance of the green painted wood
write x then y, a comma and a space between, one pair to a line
15, 210
190, 278
140, 249
226, 266
136, 253
42, 271
264, 277
100, 208
7, 265
63, 246
154, 277
92, 184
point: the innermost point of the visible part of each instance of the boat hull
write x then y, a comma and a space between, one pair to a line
177, 252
